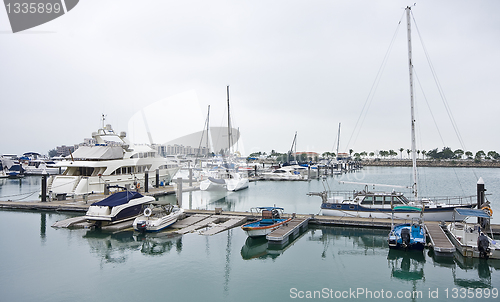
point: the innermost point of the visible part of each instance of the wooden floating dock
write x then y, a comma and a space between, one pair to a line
282, 234
81, 206
215, 223
439, 241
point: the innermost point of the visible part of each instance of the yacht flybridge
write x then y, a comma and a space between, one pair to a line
112, 161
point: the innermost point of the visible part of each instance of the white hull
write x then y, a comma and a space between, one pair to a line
155, 224
79, 185
208, 185
464, 236
237, 184
428, 216
119, 212
260, 232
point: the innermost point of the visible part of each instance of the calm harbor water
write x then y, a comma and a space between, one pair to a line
40, 263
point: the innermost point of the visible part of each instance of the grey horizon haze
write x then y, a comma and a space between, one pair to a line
302, 66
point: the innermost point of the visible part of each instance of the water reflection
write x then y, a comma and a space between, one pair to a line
43, 226
351, 241
260, 248
111, 248
116, 248
462, 276
406, 265
156, 244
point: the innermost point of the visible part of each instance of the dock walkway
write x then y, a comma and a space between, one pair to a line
439, 241
282, 234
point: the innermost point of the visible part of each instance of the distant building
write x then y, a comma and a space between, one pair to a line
180, 149
65, 150
310, 155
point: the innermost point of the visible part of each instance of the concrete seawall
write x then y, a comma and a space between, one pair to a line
432, 163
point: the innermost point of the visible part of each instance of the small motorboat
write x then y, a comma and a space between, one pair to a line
117, 207
157, 218
471, 239
270, 221
408, 236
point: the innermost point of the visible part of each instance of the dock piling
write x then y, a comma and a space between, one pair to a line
179, 192
157, 178
44, 186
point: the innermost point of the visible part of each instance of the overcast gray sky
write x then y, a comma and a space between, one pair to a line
302, 66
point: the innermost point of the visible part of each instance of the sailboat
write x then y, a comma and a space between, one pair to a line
380, 204
226, 177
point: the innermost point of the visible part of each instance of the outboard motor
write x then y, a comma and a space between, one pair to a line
276, 214
405, 237
483, 245
141, 226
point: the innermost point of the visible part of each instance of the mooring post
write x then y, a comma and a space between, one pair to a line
179, 192
157, 178
190, 176
146, 181
480, 196
44, 186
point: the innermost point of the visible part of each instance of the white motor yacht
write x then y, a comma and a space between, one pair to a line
112, 161
293, 172
117, 207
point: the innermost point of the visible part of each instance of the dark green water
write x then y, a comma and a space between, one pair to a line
39, 263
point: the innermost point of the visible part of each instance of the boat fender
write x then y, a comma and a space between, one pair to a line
488, 210
138, 185
147, 212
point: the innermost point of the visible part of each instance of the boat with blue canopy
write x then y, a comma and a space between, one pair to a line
118, 207
471, 238
408, 236
270, 221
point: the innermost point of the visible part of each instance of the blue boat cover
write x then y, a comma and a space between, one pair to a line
407, 208
117, 199
472, 212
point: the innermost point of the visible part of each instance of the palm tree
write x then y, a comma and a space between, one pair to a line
401, 151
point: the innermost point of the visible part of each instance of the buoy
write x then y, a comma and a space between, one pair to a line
488, 210
147, 212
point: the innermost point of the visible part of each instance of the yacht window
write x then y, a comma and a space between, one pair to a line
135, 156
396, 200
387, 200
367, 200
379, 200
403, 199
141, 155
98, 171
85, 171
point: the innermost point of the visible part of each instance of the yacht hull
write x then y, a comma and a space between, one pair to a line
355, 210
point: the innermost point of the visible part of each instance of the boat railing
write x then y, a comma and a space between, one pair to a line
449, 200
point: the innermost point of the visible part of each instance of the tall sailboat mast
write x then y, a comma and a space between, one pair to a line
413, 144
228, 123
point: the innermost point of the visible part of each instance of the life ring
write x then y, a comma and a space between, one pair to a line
138, 185
148, 212
488, 210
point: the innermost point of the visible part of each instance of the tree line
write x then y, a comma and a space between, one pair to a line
445, 153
